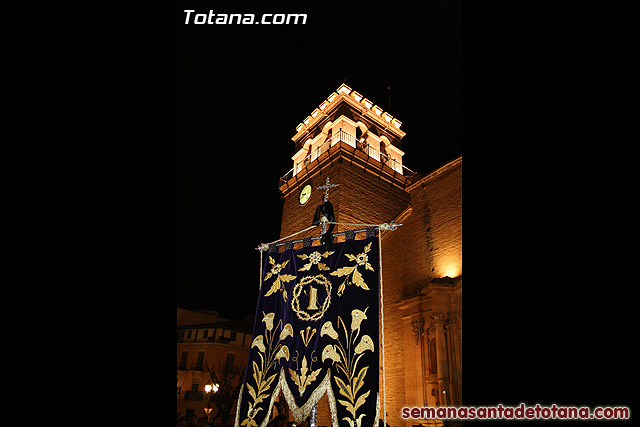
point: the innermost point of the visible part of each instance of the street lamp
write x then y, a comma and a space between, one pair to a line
210, 389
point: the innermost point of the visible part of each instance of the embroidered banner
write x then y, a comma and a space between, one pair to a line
316, 332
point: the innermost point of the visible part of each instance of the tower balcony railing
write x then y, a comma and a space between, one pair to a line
361, 144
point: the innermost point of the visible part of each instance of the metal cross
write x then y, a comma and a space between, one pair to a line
326, 188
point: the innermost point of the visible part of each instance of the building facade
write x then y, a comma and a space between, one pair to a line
358, 146
206, 341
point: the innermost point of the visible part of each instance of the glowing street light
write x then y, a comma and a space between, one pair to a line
209, 388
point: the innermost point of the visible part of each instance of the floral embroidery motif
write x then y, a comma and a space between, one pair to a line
306, 335
269, 356
302, 380
352, 273
278, 284
327, 329
287, 331
314, 259
347, 360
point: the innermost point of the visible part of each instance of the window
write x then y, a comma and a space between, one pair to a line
200, 360
206, 333
233, 336
189, 334
183, 360
361, 143
433, 361
230, 359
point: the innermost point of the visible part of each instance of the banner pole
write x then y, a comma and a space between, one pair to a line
314, 416
384, 388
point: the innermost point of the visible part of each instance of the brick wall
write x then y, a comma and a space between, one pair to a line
427, 246
360, 198
431, 236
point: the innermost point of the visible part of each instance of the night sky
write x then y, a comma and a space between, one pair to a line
243, 89
545, 187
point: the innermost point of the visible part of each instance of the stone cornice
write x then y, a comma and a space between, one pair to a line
365, 107
435, 173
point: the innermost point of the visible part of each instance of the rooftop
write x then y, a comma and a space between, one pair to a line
364, 105
245, 325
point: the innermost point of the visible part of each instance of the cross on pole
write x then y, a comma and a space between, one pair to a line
326, 188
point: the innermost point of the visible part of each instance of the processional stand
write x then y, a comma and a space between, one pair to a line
325, 218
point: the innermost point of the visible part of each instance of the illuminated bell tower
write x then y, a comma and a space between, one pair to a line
357, 145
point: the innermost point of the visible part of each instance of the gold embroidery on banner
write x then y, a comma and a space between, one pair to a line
314, 258
313, 299
297, 290
287, 331
327, 329
347, 360
269, 356
301, 413
281, 279
306, 337
352, 273
301, 379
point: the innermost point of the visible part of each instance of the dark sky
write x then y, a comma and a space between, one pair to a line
546, 189
243, 89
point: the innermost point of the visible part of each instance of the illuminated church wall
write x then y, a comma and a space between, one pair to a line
415, 257
422, 311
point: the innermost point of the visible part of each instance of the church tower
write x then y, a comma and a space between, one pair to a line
357, 145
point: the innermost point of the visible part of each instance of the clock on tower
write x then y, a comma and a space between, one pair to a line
305, 193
